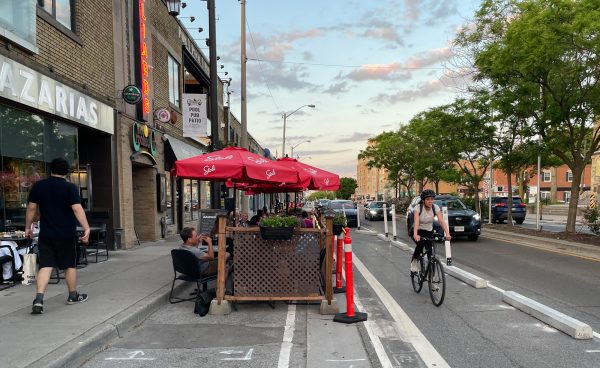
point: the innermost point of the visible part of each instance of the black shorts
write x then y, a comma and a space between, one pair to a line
60, 253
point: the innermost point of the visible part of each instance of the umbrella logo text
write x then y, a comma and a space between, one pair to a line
218, 158
326, 181
270, 173
209, 169
312, 171
258, 161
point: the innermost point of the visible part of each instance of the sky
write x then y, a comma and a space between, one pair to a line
368, 66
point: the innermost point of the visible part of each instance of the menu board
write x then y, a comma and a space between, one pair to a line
207, 220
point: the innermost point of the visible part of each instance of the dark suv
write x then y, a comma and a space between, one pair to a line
375, 211
462, 220
500, 209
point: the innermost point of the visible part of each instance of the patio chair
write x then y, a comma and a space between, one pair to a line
187, 268
97, 245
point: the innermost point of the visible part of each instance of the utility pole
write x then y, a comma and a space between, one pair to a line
215, 193
244, 138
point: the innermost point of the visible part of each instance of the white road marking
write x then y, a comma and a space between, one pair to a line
496, 288
248, 355
229, 352
426, 351
132, 356
377, 345
288, 335
597, 335
592, 351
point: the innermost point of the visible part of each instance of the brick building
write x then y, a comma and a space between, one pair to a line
57, 99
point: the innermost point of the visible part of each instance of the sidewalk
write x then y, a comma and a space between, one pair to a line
123, 291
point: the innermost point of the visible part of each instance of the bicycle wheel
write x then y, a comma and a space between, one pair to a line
436, 281
417, 278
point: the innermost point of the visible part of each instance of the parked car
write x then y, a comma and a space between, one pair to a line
321, 203
500, 209
462, 221
344, 206
375, 211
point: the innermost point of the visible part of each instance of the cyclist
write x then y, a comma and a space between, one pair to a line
423, 226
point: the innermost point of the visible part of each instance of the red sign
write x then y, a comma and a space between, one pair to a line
144, 60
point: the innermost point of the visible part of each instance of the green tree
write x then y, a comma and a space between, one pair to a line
321, 195
347, 188
549, 50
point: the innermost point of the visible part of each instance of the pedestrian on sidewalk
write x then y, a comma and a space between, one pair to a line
59, 207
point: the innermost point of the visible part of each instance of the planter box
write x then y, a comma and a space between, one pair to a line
276, 233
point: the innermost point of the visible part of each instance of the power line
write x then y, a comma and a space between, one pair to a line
262, 74
349, 66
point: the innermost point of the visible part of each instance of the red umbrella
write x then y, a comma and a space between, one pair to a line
312, 177
235, 164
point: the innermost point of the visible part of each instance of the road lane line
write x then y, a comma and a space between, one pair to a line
551, 250
377, 345
426, 351
288, 335
496, 288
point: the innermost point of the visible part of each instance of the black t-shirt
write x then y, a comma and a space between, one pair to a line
54, 197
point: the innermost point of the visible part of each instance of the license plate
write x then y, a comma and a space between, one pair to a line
459, 228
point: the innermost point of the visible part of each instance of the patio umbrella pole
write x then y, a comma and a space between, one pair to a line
234, 203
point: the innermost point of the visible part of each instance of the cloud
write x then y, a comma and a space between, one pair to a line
337, 88
356, 137
449, 80
400, 71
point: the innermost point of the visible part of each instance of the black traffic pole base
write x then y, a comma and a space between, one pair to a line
343, 318
339, 290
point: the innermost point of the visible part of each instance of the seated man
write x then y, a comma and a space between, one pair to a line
191, 242
243, 221
255, 220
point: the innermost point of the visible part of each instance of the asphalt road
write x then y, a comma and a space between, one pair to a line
474, 328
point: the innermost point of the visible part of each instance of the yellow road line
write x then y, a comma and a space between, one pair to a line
553, 250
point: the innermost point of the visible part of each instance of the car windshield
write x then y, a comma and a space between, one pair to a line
341, 204
451, 203
376, 205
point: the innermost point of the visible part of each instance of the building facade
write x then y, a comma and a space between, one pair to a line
372, 183
57, 99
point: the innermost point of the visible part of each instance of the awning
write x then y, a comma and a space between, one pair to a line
179, 150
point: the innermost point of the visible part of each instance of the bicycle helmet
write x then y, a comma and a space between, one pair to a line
427, 193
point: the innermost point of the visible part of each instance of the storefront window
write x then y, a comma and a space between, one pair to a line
17, 22
170, 213
205, 194
187, 199
195, 200
27, 144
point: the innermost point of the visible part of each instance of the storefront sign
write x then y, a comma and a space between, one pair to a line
142, 69
163, 115
143, 138
195, 122
132, 94
24, 85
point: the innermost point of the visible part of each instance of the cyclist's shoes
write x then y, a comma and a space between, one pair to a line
414, 266
435, 288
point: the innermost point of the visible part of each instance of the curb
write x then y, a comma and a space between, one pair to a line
563, 246
554, 318
78, 350
467, 277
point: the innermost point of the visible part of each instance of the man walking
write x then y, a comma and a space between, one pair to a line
59, 208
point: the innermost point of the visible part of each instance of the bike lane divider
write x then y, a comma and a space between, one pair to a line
404, 325
554, 318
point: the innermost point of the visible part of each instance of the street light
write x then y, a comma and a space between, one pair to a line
296, 145
285, 116
174, 7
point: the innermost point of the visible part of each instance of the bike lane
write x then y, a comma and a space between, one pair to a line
473, 328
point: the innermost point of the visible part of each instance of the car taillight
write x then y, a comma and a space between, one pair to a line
500, 205
522, 205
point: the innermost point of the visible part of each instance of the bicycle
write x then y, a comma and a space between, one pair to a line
433, 272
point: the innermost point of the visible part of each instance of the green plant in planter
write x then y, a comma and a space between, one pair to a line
279, 221
339, 219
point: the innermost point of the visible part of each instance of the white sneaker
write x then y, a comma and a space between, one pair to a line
414, 266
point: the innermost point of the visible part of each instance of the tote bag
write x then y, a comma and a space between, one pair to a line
29, 268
